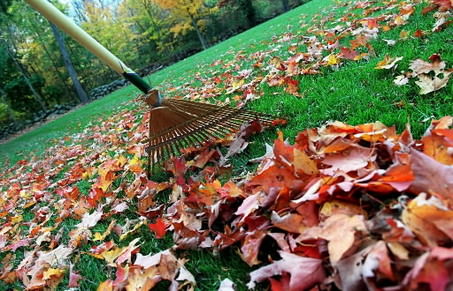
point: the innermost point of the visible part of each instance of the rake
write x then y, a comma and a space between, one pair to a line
174, 124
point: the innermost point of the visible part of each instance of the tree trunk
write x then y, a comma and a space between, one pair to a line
285, 5
200, 36
54, 64
68, 64
249, 11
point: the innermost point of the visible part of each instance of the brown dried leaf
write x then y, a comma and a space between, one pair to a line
304, 272
340, 230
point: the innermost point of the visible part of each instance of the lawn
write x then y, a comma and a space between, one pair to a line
53, 172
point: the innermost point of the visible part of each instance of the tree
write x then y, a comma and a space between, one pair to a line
113, 32
10, 50
189, 14
285, 4
68, 64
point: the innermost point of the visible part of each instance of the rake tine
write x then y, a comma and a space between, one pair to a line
180, 141
201, 122
174, 144
192, 139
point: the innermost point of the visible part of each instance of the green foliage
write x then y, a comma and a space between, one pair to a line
4, 113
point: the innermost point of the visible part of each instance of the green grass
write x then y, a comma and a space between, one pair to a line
356, 93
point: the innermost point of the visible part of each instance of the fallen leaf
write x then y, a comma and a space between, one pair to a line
159, 228
429, 84
431, 176
304, 272
51, 272
332, 60
433, 268
90, 220
429, 219
251, 246
401, 80
352, 159
419, 66
340, 230
226, 285
100, 237
74, 278
388, 63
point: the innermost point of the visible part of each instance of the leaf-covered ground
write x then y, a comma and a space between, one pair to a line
342, 206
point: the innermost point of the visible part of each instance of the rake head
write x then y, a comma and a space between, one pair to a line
175, 125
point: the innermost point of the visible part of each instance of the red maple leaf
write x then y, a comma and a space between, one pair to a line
159, 228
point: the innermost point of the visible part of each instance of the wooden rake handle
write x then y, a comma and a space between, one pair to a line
67, 25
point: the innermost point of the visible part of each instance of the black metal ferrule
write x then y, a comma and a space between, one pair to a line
138, 82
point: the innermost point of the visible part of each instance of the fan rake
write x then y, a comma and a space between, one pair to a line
180, 124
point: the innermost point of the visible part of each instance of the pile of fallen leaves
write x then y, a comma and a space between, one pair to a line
352, 206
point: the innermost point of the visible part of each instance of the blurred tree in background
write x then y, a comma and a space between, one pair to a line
41, 67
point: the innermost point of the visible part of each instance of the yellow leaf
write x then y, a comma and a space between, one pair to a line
404, 34
100, 237
429, 219
25, 194
137, 226
51, 272
332, 60
142, 280
29, 204
16, 219
122, 160
398, 250
135, 165
387, 63
339, 207
110, 256
303, 163
106, 286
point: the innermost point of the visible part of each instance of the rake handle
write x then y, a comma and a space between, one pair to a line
55, 16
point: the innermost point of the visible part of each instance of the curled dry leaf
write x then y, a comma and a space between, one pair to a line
431, 176
430, 219
419, 66
304, 272
430, 84
340, 231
